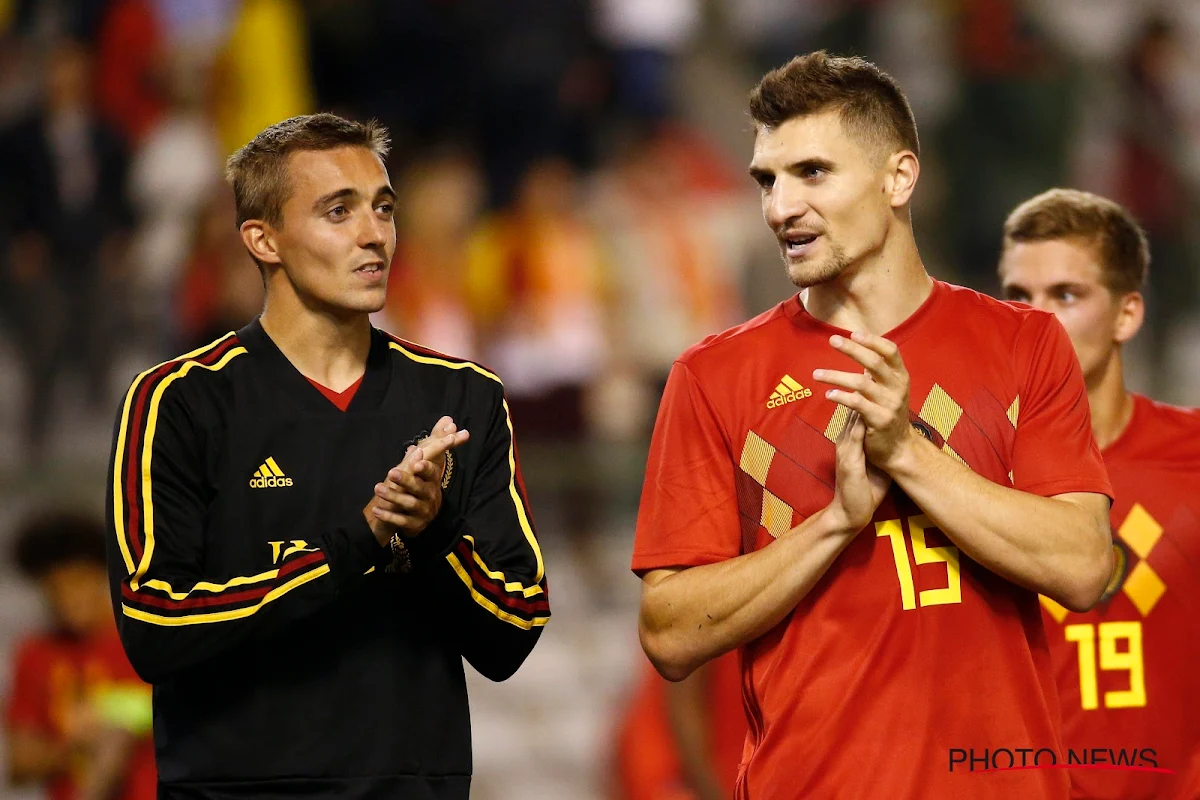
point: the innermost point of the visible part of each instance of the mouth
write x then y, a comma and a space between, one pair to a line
796, 244
372, 270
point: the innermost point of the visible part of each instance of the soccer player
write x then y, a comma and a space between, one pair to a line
1126, 669
866, 486
305, 540
77, 720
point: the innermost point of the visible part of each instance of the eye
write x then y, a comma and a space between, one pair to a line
764, 180
1016, 295
812, 173
1068, 295
387, 208
338, 212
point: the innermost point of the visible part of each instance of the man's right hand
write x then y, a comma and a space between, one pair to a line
860, 486
411, 495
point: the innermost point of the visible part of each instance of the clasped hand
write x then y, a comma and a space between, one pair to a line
410, 496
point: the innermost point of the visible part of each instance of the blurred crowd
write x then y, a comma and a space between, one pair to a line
573, 210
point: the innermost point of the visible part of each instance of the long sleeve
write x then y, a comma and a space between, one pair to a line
484, 561
174, 608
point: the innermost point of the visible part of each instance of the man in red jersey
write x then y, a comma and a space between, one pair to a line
77, 718
876, 548
1126, 669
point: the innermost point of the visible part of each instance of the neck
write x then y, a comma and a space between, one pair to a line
876, 294
1111, 402
330, 348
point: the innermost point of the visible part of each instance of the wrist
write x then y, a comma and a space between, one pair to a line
832, 521
904, 458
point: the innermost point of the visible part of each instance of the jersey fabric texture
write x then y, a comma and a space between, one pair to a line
1126, 670
52, 675
905, 652
287, 660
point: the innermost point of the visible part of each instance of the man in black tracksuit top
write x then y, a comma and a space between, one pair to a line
299, 643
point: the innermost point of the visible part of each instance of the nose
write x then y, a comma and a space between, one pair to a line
375, 231
784, 202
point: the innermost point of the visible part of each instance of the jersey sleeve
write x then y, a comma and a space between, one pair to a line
481, 559
1054, 451
174, 608
28, 702
688, 515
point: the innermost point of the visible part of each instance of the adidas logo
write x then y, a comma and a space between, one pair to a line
789, 390
269, 476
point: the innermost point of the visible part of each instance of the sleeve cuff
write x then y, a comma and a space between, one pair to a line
438, 538
352, 551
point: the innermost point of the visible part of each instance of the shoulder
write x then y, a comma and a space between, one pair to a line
1161, 432
995, 317
201, 376
718, 351
441, 368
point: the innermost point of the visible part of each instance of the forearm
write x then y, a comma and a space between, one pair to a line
688, 714
175, 618
693, 615
497, 611
1052, 546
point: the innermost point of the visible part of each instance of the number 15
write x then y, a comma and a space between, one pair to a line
948, 555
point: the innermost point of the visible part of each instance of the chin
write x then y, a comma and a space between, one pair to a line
805, 274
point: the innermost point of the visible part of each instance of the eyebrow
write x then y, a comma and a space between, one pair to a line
348, 193
796, 167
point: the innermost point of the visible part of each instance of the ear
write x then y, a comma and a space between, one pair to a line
1131, 311
902, 172
259, 238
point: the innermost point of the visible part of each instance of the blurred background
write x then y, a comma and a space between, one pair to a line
574, 213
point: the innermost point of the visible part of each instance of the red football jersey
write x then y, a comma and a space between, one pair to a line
52, 674
906, 660
1127, 670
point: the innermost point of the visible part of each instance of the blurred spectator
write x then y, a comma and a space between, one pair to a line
78, 718
65, 191
222, 288
1151, 181
682, 741
262, 75
674, 271
440, 199
129, 68
175, 172
535, 284
647, 36
1008, 137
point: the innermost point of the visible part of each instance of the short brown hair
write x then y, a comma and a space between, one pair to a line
258, 170
869, 100
1119, 240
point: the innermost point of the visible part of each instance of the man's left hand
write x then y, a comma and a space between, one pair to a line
879, 394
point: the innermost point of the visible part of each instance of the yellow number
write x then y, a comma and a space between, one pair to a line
891, 529
1130, 659
948, 555
1085, 637
930, 555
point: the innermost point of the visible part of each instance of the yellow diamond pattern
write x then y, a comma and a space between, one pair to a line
756, 457
1140, 531
1053, 609
776, 515
1014, 409
940, 411
1144, 587
834, 429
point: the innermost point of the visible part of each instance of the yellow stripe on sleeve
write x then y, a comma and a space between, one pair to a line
119, 458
